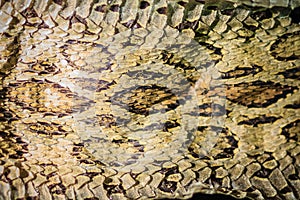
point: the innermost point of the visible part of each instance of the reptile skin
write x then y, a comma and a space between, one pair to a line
149, 99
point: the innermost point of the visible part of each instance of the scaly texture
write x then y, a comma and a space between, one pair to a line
116, 99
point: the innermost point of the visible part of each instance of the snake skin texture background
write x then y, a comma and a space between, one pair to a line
149, 99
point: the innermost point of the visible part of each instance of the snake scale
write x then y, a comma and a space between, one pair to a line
149, 99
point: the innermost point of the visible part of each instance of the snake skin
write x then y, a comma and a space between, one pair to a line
149, 99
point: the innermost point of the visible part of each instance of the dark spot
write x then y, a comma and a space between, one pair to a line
23, 173
193, 153
263, 173
144, 4
172, 106
295, 15
251, 27
88, 162
182, 3
229, 151
286, 190
29, 13
186, 24
114, 8
98, 162
117, 141
259, 120
232, 141
48, 164
7, 114
79, 144
250, 189
162, 10
103, 85
261, 15
64, 90
201, 1
293, 73
293, 106
59, 2
223, 155
293, 177
101, 8
291, 131
110, 188
212, 7
243, 71
71, 41
132, 24
7, 35
43, 25
184, 66
20, 152
62, 115
57, 188
168, 186
201, 128
169, 171
14, 84
282, 11
92, 174
77, 149
228, 12
3, 134
78, 19
51, 175
170, 124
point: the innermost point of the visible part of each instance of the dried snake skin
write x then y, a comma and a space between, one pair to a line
149, 99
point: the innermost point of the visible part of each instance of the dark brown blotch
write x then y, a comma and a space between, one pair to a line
144, 4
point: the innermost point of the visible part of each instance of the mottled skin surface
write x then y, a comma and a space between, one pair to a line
149, 99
